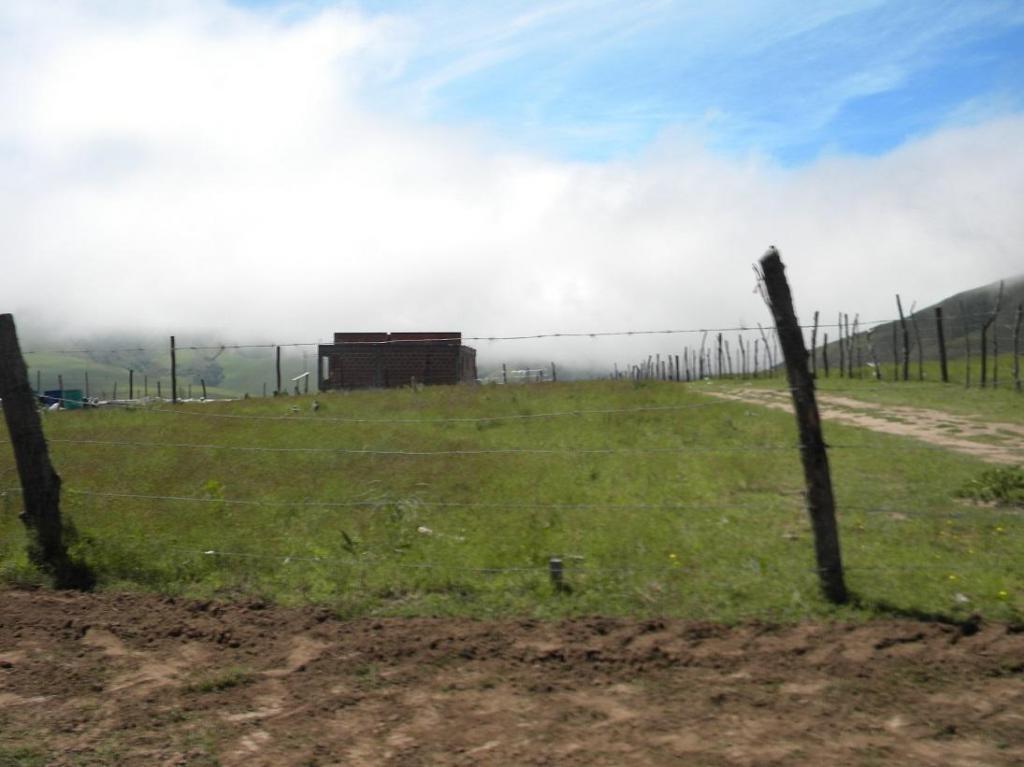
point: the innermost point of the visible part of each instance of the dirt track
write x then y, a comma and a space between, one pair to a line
1005, 441
140, 680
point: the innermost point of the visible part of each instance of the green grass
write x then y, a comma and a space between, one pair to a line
709, 527
222, 679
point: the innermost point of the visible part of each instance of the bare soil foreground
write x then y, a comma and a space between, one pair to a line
1003, 442
145, 680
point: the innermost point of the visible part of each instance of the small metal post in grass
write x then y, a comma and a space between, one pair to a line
557, 574
820, 500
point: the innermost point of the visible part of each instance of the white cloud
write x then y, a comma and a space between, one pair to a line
183, 170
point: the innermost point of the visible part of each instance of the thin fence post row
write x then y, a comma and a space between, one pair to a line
40, 484
819, 497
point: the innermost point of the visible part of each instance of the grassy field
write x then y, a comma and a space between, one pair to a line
693, 509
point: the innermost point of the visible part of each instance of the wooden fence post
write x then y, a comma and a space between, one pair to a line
906, 340
1016, 347
131, 384
824, 354
174, 374
814, 347
203, 382
820, 501
874, 357
941, 333
40, 485
895, 354
849, 345
277, 391
967, 346
917, 341
984, 336
842, 348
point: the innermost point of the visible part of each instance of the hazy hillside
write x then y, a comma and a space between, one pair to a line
963, 315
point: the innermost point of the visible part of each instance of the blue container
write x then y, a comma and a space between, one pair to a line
69, 399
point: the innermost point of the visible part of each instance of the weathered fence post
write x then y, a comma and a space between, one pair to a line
174, 374
131, 384
906, 340
814, 346
849, 346
277, 390
874, 357
40, 485
1016, 346
941, 333
895, 354
824, 354
984, 336
967, 347
842, 348
203, 382
554, 373
820, 501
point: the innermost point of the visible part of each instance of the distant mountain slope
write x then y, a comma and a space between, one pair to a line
963, 315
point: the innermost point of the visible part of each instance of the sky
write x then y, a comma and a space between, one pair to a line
265, 170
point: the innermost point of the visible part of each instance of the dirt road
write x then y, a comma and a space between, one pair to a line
143, 680
1004, 442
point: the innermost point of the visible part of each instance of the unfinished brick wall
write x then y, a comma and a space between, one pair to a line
363, 360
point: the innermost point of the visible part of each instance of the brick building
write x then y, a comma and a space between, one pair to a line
363, 360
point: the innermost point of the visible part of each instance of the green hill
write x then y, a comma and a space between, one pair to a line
963, 316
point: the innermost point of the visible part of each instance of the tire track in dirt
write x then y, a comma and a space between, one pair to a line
933, 427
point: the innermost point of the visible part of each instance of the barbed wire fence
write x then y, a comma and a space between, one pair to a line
740, 351
726, 362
